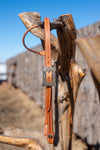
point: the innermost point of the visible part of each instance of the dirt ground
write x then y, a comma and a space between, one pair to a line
18, 110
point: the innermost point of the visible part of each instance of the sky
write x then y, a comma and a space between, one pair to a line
84, 12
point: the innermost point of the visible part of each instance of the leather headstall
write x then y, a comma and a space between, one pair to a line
48, 78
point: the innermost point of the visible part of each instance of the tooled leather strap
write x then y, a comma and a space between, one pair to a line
48, 89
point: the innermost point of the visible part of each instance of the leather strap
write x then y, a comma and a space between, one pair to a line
48, 129
23, 40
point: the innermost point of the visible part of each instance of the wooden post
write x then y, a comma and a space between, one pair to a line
69, 76
90, 48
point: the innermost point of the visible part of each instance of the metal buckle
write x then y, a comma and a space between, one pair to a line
48, 69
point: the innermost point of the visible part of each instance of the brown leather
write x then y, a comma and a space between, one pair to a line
23, 40
48, 129
48, 89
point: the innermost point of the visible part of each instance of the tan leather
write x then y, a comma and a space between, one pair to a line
23, 40
48, 89
48, 129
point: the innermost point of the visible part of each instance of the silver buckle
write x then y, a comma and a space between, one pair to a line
49, 69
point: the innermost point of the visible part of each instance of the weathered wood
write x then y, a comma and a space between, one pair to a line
29, 143
22, 138
77, 75
22, 142
90, 48
69, 77
97, 84
66, 69
67, 52
71, 74
33, 18
66, 37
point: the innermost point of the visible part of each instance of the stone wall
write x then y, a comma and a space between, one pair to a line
27, 75
24, 71
87, 112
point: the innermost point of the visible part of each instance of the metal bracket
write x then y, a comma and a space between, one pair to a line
48, 69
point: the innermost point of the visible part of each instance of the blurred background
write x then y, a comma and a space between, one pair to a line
84, 13
20, 75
